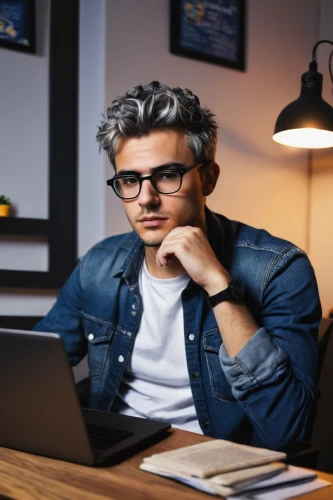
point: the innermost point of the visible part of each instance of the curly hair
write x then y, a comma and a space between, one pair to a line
156, 106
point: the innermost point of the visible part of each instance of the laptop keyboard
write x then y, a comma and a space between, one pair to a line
104, 437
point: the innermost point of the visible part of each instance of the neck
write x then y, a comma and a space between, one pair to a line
172, 270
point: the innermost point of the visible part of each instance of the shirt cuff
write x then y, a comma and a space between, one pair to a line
259, 362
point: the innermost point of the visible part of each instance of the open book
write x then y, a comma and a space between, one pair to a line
213, 457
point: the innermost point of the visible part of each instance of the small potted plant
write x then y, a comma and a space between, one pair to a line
4, 206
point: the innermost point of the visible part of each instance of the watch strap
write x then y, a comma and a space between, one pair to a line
234, 291
219, 297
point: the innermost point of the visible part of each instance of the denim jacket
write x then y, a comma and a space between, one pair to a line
264, 396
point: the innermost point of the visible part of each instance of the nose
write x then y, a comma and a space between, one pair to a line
148, 194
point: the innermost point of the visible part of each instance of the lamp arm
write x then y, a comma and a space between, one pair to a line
313, 64
330, 65
315, 48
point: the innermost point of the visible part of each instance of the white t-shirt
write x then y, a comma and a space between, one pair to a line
156, 382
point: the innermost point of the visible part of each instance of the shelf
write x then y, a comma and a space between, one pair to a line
31, 279
25, 227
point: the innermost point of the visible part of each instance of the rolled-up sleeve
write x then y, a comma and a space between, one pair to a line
260, 360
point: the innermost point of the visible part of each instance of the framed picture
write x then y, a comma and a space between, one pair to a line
17, 25
209, 30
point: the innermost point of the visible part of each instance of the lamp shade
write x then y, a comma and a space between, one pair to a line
306, 122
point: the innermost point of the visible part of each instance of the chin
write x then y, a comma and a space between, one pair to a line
152, 238
152, 242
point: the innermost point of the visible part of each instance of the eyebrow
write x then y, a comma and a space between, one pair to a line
165, 166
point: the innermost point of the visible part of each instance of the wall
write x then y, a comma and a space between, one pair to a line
262, 183
91, 189
321, 229
24, 132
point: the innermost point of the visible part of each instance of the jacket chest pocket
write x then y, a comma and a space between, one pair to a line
99, 335
220, 386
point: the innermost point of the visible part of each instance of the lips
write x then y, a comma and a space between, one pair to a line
152, 221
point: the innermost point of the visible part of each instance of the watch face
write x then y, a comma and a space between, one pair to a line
236, 289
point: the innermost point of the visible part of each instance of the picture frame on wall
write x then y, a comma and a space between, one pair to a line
212, 31
17, 25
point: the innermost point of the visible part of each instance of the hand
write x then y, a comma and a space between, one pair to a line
191, 247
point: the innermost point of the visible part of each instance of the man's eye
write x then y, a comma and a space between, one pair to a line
167, 176
129, 181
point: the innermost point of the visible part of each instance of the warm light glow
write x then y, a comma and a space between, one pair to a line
310, 138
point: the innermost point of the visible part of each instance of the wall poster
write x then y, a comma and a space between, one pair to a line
209, 30
17, 25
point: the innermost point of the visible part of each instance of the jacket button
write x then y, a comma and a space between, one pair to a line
91, 336
133, 313
191, 336
134, 306
121, 359
205, 425
195, 375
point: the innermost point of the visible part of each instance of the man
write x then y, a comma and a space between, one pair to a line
191, 318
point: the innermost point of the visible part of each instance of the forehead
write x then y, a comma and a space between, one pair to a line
153, 149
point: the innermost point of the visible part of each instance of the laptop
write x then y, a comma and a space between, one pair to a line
40, 411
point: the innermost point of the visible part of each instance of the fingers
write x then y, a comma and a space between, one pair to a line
180, 243
180, 230
191, 248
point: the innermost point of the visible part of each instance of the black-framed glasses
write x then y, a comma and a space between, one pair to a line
167, 180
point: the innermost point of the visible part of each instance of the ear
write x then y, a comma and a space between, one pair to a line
210, 174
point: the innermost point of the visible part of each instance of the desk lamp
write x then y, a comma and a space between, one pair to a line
307, 122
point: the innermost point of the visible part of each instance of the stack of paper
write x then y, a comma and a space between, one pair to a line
229, 469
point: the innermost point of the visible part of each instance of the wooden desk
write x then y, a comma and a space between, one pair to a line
30, 477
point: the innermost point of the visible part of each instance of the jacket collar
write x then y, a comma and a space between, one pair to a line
217, 230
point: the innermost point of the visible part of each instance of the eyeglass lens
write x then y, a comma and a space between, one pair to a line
165, 182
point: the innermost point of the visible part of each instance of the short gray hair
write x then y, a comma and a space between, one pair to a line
156, 106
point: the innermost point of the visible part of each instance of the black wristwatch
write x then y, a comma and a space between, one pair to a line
234, 292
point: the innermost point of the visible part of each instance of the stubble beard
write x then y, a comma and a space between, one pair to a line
151, 243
